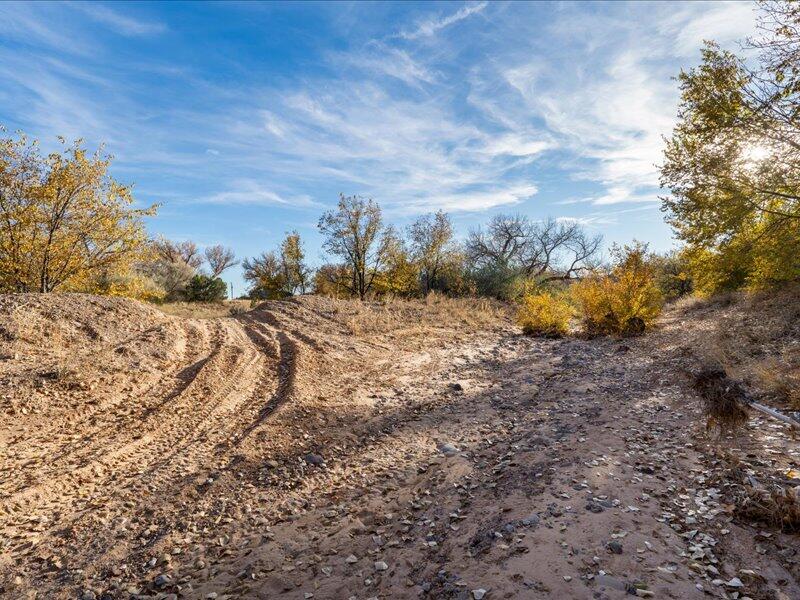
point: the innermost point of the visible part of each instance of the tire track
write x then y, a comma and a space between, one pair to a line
103, 424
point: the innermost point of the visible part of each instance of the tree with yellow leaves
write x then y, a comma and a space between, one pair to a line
731, 165
65, 223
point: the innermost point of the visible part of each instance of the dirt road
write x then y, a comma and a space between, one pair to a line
277, 454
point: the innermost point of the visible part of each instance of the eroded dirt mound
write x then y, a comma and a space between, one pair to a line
117, 419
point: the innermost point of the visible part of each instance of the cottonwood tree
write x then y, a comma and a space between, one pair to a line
501, 245
332, 280
265, 275
296, 272
278, 274
400, 274
558, 250
546, 250
171, 265
353, 233
431, 238
219, 259
732, 163
63, 219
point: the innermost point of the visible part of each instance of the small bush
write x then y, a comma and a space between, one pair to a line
625, 300
202, 288
544, 314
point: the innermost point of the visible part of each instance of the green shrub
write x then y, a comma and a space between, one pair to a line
203, 288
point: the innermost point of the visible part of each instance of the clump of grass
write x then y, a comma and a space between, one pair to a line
724, 398
414, 317
779, 507
205, 310
771, 502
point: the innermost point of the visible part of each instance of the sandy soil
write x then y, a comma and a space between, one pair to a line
281, 453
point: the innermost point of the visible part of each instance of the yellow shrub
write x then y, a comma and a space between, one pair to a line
544, 314
626, 300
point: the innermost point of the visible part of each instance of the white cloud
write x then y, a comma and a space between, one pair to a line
429, 27
472, 201
383, 60
119, 22
612, 109
248, 191
409, 153
389, 119
723, 22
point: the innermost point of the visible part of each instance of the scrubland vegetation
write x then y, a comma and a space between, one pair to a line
376, 423
732, 196
730, 169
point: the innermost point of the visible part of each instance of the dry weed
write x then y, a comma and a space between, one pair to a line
411, 318
755, 338
724, 398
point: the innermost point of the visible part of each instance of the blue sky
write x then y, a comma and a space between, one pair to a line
246, 120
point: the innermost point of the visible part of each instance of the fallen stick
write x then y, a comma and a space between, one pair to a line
774, 414
727, 399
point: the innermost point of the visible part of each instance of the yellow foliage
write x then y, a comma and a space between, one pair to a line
544, 314
64, 219
129, 285
626, 300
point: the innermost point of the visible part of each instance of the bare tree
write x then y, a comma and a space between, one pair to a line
219, 259
353, 232
558, 249
548, 250
186, 252
502, 243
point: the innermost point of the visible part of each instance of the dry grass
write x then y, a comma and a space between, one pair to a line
754, 338
400, 317
205, 310
769, 501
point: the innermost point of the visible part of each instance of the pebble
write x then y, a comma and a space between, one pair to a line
314, 459
448, 449
612, 582
532, 520
614, 547
381, 566
478, 594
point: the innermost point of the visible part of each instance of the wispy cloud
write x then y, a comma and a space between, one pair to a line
377, 58
119, 22
612, 109
247, 191
429, 27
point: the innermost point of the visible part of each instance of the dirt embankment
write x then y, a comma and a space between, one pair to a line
323, 449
